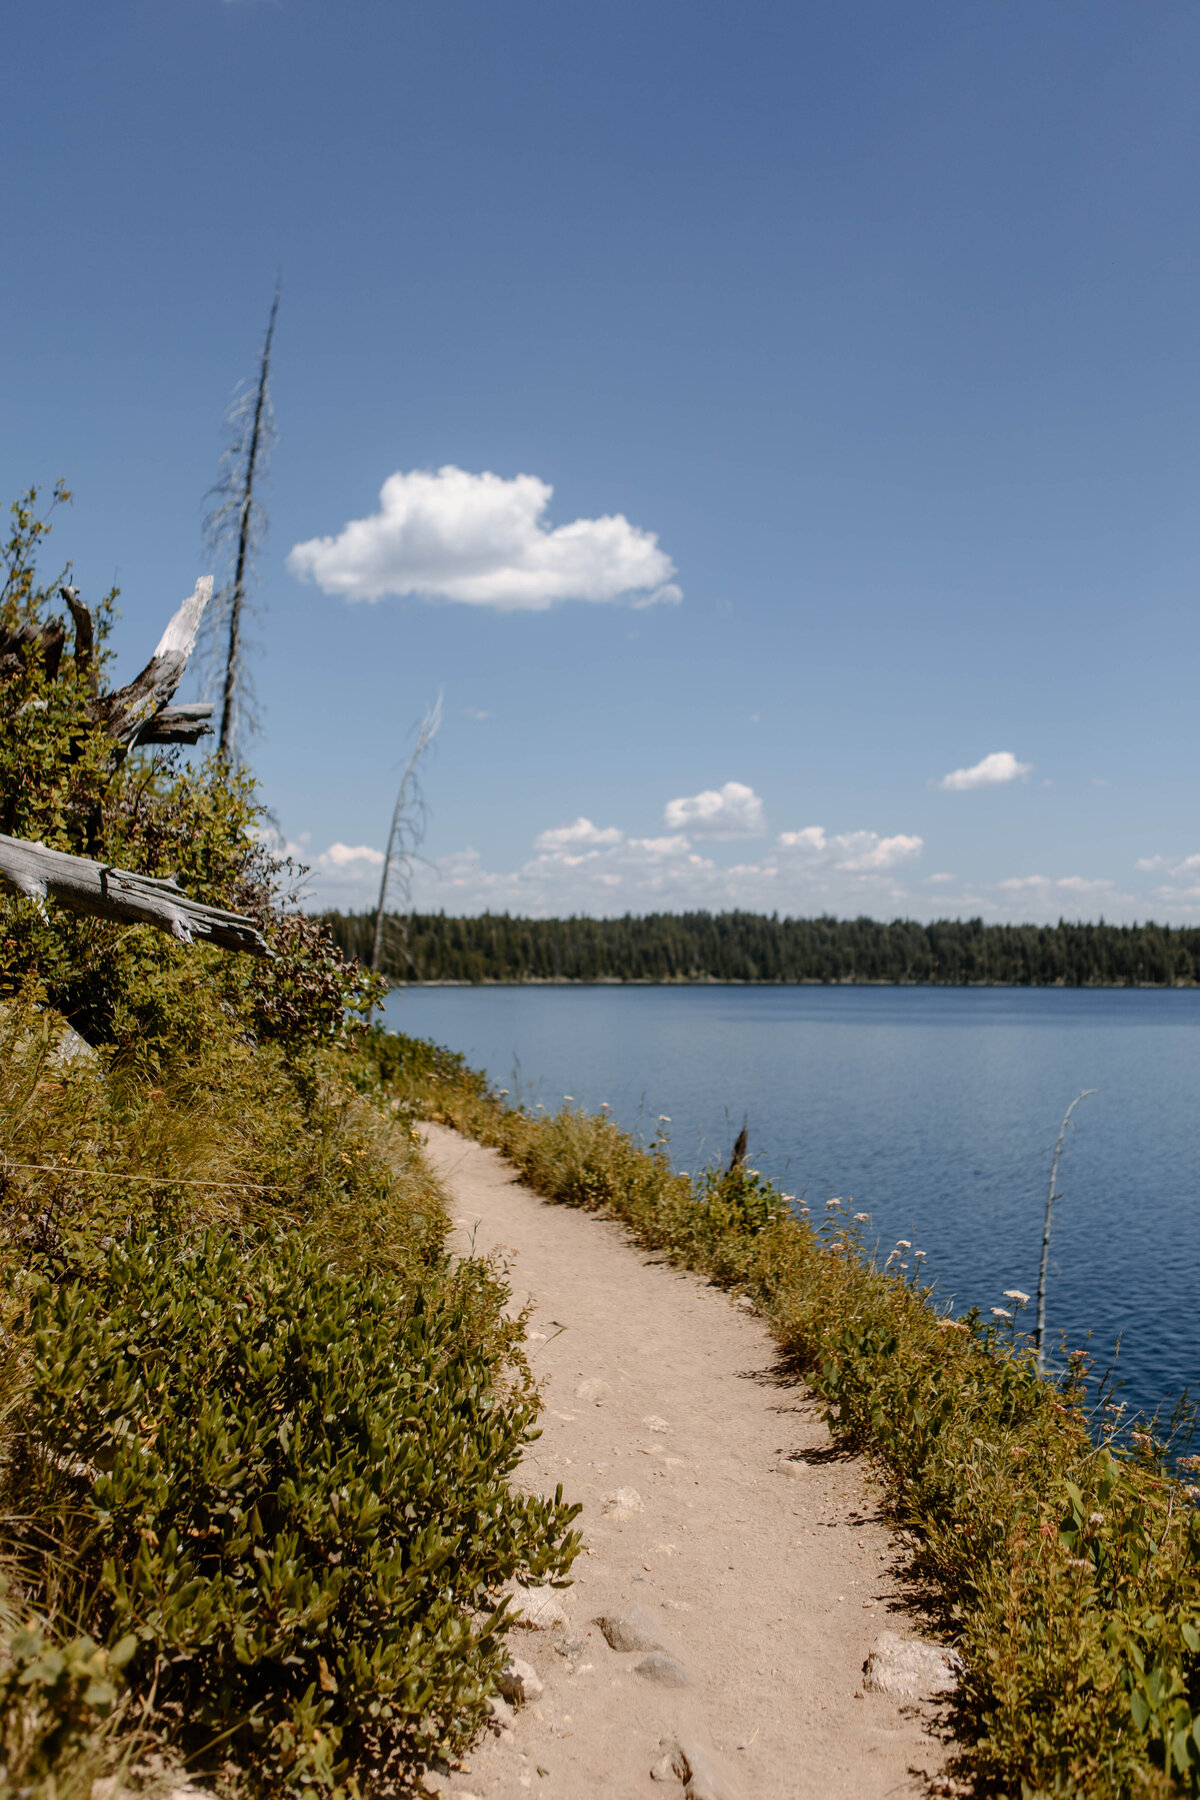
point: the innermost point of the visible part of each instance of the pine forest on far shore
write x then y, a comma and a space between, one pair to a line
751, 947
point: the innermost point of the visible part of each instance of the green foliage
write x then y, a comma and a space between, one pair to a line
65, 783
740, 946
1068, 1566
297, 1497
58, 1702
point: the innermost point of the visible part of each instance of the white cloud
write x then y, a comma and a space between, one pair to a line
1187, 865
483, 540
342, 856
941, 876
1082, 885
581, 835
992, 771
855, 852
732, 811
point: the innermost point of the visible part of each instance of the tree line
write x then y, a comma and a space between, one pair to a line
742, 946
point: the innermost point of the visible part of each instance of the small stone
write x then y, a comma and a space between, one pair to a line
535, 1607
702, 1773
790, 1465
909, 1669
520, 1682
663, 1669
707, 1779
502, 1712
632, 1630
673, 1763
652, 1422
623, 1503
595, 1390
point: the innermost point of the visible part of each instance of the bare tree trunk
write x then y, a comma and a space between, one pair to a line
1039, 1335
245, 529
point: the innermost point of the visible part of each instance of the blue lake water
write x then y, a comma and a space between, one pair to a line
935, 1109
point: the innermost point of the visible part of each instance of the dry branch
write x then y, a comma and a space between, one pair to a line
128, 710
178, 724
98, 889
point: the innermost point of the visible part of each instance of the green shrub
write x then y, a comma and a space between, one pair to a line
64, 782
296, 1495
59, 1703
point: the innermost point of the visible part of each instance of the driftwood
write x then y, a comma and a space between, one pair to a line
96, 888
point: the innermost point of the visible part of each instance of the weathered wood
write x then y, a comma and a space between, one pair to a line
85, 636
178, 724
100, 890
131, 707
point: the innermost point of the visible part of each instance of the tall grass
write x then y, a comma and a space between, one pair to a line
1065, 1563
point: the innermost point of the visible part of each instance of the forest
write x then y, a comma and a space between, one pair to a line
751, 947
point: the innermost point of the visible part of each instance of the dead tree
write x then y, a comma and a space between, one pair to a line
408, 828
138, 713
234, 531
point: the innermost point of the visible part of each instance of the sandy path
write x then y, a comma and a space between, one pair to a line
756, 1555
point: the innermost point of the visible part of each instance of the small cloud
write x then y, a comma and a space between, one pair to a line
483, 540
1083, 884
1101, 781
1148, 864
855, 852
992, 771
473, 712
941, 876
755, 719
340, 856
733, 811
582, 835
1064, 884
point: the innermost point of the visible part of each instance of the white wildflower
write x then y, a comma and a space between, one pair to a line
1096, 1518
862, 1218
1016, 1294
1001, 1312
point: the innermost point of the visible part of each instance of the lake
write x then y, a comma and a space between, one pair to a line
935, 1109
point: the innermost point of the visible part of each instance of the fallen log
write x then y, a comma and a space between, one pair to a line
104, 892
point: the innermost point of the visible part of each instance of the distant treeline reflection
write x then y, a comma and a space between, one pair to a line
740, 946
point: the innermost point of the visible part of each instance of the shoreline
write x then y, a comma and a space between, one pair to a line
689, 981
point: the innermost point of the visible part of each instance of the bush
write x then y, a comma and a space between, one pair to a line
294, 1496
66, 783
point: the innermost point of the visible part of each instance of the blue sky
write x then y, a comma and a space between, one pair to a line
873, 327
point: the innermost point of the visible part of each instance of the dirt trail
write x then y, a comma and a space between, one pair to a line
718, 1520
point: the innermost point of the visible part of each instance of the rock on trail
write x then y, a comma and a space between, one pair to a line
721, 1637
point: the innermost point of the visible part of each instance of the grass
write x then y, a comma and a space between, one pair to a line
1065, 1558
